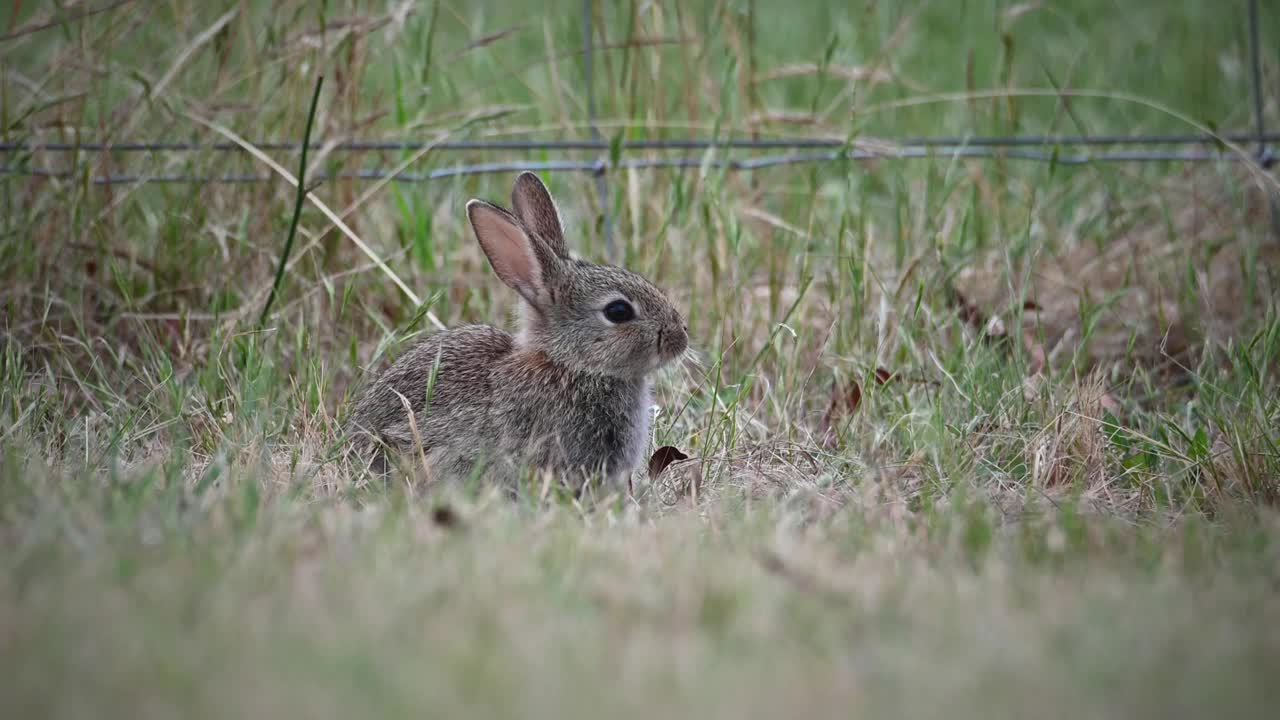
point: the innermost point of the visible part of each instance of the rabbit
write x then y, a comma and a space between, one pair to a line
569, 394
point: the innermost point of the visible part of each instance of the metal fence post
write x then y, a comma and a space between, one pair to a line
1259, 122
1263, 152
601, 167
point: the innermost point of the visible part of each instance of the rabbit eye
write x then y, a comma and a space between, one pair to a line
619, 311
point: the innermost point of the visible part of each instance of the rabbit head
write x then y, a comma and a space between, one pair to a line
591, 318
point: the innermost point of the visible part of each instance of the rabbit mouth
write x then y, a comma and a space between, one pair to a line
671, 346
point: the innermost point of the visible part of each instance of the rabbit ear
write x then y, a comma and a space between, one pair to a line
510, 250
536, 209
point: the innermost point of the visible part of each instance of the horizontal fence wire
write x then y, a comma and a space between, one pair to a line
663, 144
596, 167
986, 147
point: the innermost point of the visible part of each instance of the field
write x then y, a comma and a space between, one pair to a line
966, 437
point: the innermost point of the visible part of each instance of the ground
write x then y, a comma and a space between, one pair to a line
969, 437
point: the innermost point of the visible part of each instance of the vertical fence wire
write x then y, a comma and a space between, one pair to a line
601, 166
1264, 156
1255, 61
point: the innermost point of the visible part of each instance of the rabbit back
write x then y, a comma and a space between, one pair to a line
453, 370
509, 408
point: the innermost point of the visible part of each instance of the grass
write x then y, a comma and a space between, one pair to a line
974, 437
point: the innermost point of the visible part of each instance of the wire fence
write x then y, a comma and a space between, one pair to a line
798, 150
601, 167
663, 144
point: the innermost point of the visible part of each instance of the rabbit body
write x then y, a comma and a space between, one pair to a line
569, 394
496, 406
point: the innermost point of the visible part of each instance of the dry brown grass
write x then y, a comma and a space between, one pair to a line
1119, 297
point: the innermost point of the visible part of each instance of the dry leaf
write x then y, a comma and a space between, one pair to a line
853, 398
661, 458
968, 312
991, 328
843, 401
445, 516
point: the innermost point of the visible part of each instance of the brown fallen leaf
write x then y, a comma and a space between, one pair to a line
990, 327
445, 516
853, 398
968, 312
662, 457
884, 376
843, 402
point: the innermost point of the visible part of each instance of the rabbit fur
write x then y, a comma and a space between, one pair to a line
569, 394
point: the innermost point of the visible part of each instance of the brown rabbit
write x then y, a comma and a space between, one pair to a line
569, 394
